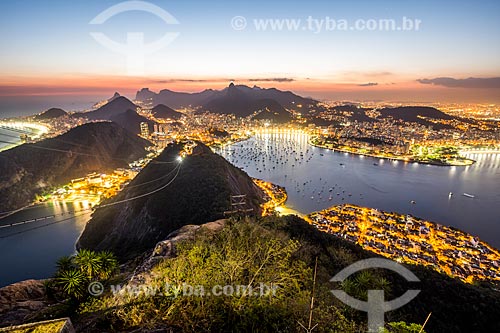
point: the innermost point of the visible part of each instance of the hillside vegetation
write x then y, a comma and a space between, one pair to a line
281, 252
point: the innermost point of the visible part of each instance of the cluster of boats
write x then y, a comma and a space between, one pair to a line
273, 154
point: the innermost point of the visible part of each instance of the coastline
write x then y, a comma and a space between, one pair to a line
409, 239
35, 130
395, 158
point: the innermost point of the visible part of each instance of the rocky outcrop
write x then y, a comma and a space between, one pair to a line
166, 249
21, 301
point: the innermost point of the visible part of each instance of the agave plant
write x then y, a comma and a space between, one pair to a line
89, 263
72, 282
65, 263
109, 264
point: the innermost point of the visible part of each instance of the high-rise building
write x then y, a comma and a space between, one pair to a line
144, 130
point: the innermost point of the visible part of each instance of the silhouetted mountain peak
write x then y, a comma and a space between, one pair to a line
213, 100
116, 106
198, 193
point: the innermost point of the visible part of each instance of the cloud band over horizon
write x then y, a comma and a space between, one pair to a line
471, 82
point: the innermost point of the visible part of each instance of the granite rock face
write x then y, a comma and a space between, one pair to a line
21, 301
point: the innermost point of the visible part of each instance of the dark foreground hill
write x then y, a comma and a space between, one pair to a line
170, 194
31, 169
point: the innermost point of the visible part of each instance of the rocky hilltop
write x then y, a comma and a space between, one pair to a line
170, 194
31, 169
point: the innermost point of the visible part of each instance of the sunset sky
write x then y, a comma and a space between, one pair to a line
47, 50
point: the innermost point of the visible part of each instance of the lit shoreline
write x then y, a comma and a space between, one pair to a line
394, 158
35, 131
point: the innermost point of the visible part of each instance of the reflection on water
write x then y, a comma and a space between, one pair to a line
31, 250
316, 178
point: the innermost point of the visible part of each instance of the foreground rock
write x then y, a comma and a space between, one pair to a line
167, 248
21, 301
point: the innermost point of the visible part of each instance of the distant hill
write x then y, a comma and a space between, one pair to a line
269, 109
112, 98
51, 114
162, 111
115, 96
241, 101
121, 111
412, 113
358, 114
30, 169
175, 99
131, 121
211, 98
200, 193
113, 108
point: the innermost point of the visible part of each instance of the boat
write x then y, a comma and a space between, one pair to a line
469, 195
451, 193
413, 202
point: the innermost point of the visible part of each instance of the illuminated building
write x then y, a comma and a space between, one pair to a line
144, 130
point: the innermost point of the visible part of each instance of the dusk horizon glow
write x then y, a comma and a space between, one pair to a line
50, 51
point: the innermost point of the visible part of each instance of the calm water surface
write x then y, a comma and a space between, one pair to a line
373, 182
308, 173
30, 251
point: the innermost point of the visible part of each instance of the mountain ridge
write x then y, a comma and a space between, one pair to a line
30, 169
178, 100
